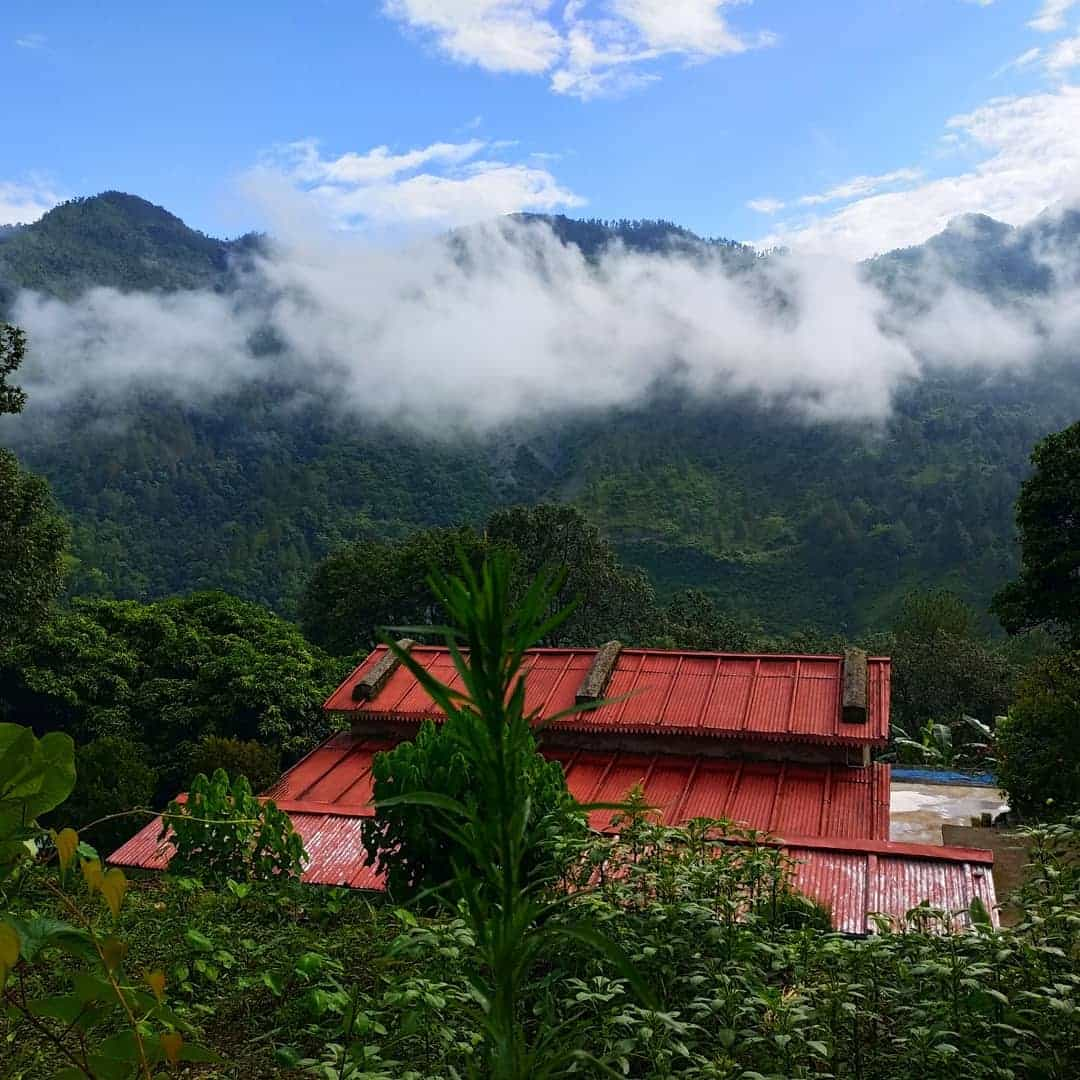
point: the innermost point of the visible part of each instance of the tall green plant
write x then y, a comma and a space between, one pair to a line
513, 915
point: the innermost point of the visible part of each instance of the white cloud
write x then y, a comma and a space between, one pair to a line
31, 41
498, 35
1025, 59
1051, 15
859, 186
1064, 56
438, 185
587, 48
21, 203
1030, 158
504, 324
766, 205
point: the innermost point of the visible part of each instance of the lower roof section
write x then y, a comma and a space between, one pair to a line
833, 820
855, 880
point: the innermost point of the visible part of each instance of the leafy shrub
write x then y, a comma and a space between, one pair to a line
109, 1025
223, 832
260, 764
401, 839
1039, 741
112, 775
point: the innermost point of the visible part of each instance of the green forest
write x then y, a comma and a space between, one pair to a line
785, 522
180, 590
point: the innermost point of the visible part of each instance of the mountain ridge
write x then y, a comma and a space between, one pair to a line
783, 520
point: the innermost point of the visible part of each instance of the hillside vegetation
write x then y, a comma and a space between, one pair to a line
780, 519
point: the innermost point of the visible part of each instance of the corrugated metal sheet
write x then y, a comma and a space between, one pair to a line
777, 698
833, 821
854, 885
853, 879
808, 800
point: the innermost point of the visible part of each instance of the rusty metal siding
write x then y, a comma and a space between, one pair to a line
775, 698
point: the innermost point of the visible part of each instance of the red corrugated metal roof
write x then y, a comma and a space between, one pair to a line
777, 698
854, 879
834, 821
808, 800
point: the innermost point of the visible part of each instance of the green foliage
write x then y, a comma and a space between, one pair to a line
943, 667
36, 776
103, 1026
12, 351
170, 674
1047, 592
692, 620
610, 600
402, 839
32, 535
222, 832
260, 764
368, 585
113, 775
334, 984
116, 240
510, 908
1038, 743
372, 584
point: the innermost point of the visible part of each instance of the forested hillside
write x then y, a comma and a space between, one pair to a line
786, 520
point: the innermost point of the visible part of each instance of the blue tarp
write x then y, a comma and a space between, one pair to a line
941, 776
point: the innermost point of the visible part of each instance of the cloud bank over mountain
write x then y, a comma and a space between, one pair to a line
503, 323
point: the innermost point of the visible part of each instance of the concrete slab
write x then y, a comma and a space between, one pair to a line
917, 811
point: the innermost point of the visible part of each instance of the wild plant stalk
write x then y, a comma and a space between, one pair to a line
513, 914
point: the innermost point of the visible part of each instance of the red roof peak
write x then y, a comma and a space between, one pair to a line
749, 696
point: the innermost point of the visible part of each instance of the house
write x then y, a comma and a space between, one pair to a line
778, 743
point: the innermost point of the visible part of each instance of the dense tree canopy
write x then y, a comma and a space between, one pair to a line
12, 351
613, 601
943, 665
169, 674
372, 584
1039, 741
1048, 519
32, 535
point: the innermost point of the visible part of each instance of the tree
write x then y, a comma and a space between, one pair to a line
1047, 592
112, 775
373, 584
376, 583
400, 839
171, 673
612, 601
259, 765
691, 621
943, 668
12, 351
33, 536
1038, 742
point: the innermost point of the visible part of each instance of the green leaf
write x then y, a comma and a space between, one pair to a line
198, 940
425, 798
605, 946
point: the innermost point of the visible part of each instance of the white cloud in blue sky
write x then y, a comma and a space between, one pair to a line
1051, 15
585, 48
26, 200
1030, 159
437, 185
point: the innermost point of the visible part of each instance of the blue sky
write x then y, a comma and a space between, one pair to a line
843, 125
